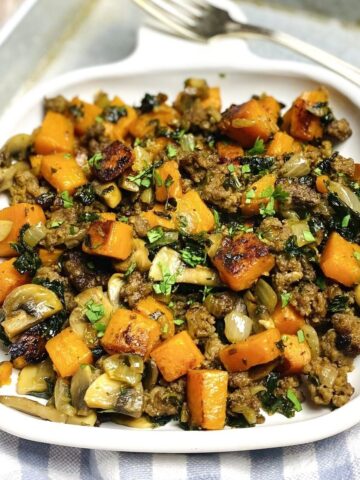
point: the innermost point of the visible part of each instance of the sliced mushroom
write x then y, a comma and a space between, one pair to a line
62, 397
103, 393
27, 306
7, 174
36, 379
115, 285
31, 407
86, 421
171, 260
80, 382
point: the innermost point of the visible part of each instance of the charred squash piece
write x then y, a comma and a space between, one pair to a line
116, 158
241, 260
130, 332
110, 239
247, 122
299, 120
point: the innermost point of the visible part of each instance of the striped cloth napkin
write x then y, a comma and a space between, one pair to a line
337, 458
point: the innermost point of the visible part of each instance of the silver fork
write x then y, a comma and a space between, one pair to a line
198, 20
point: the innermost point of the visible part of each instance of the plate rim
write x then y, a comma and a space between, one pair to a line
179, 441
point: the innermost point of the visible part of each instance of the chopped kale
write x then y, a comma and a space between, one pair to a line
28, 260
238, 422
85, 194
338, 304
148, 103
89, 217
113, 113
351, 229
275, 403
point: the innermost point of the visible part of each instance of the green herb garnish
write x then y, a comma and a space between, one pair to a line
291, 395
67, 200
95, 160
285, 299
300, 336
155, 234
258, 147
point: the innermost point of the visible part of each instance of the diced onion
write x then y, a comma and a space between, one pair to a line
35, 234
238, 326
345, 195
296, 166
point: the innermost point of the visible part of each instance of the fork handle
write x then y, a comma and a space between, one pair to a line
316, 54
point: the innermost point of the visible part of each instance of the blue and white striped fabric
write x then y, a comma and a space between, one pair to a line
337, 458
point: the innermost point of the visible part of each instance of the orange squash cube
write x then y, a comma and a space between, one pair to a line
19, 214
255, 350
340, 260
241, 260
68, 352
207, 397
56, 134
130, 332
295, 355
10, 278
287, 320
89, 113
62, 172
193, 215
281, 144
110, 239
155, 310
5, 373
159, 217
176, 356
247, 122
168, 172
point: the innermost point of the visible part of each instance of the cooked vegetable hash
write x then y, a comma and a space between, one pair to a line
180, 262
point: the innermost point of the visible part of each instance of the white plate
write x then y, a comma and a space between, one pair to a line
159, 66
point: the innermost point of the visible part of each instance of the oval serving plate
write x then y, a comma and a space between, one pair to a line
239, 79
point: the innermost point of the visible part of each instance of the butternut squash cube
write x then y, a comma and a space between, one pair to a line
62, 172
340, 260
247, 122
68, 352
169, 176
193, 215
56, 134
241, 260
10, 278
110, 239
130, 332
176, 356
206, 398
155, 310
255, 350
89, 112
19, 214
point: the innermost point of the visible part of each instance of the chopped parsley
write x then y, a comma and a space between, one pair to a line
275, 403
168, 281
94, 312
308, 236
67, 200
56, 223
291, 395
258, 147
95, 160
285, 299
357, 255
145, 177
345, 221
123, 219
130, 270
217, 220
300, 336
171, 151
268, 210
246, 168
206, 292
67, 155
155, 234
192, 257
250, 194
179, 321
